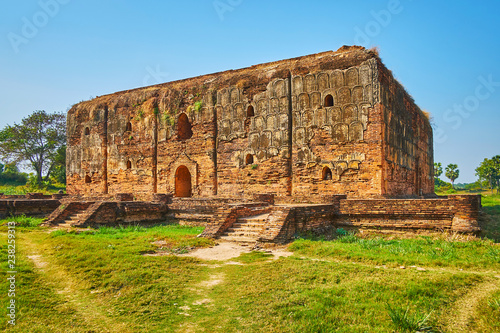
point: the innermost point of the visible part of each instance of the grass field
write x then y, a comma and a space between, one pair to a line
107, 281
23, 189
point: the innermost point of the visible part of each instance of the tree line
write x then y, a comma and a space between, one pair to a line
38, 143
488, 173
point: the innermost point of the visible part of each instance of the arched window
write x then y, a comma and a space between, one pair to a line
249, 159
88, 180
327, 173
184, 130
87, 131
329, 100
129, 165
250, 111
129, 127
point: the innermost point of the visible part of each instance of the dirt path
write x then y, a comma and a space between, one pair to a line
227, 250
201, 289
463, 311
64, 284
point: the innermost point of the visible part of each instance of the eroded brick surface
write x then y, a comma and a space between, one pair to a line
310, 130
324, 124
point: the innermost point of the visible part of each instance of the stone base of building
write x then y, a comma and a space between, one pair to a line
264, 218
31, 204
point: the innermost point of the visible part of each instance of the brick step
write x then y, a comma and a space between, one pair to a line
239, 239
248, 225
185, 216
65, 225
245, 229
75, 217
256, 218
242, 233
250, 222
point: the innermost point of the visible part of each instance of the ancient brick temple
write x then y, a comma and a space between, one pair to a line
325, 124
261, 154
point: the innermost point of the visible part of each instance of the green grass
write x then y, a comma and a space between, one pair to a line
253, 257
22, 221
24, 189
409, 322
490, 219
489, 314
426, 251
39, 306
13, 189
107, 280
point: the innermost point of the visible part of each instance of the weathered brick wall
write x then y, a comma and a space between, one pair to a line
253, 135
28, 207
270, 128
65, 210
285, 222
337, 130
192, 101
408, 166
457, 213
112, 213
130, 135
86, 150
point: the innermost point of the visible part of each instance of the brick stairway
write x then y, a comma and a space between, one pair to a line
192, 218
246, 229
71, 220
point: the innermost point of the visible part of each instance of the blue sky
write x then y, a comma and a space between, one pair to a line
55, 53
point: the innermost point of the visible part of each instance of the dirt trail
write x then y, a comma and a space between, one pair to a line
64, 284
464, 309
228, 250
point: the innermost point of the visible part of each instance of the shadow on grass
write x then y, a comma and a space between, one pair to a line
489, 222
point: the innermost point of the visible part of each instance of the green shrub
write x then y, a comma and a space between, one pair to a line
340, 232
198, 105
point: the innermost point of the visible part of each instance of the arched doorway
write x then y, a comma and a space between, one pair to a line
182, 182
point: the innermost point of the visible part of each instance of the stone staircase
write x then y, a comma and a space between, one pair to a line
192, 211
246, 229
71, 220
191, 218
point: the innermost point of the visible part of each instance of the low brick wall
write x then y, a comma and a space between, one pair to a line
313, 199
198, 211
123, 213
28, 207
284, 222
456, 212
